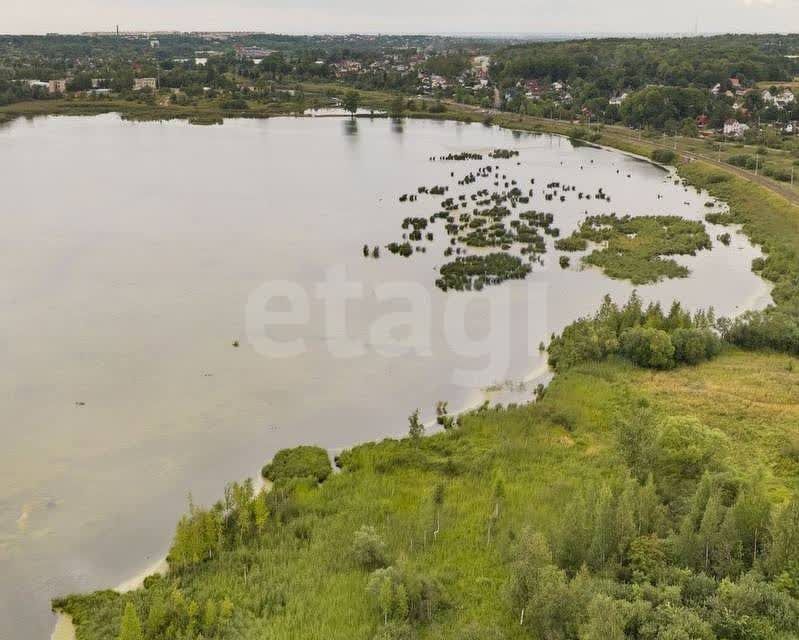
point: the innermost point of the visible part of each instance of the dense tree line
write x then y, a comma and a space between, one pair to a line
613, 65
647, 336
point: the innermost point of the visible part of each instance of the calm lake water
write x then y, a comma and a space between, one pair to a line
129, 253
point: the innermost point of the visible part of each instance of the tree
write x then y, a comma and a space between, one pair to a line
751, 516
785, 541
130, 627
603, 543
397, 107
636, 438
415, 426
647, 347
685, 450
351, 102
81, 82
647, 556
606, 620
383, 586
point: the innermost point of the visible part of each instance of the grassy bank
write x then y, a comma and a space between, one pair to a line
206, 112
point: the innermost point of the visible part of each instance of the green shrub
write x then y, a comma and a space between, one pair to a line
299, 462
368, 549
647, 347
692, 346
664, 156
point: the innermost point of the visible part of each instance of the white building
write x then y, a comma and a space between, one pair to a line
37, 84
144, 83
780, 100
617, 100
57, 86
735, 129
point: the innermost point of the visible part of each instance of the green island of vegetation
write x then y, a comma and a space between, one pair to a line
634, 246
474, 272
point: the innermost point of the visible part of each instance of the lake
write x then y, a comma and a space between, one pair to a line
134, 255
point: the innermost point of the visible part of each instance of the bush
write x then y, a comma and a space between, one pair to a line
572, 243
299, 462
664, 156
770, 329
692, 346
237, 104
368, 549
646, 347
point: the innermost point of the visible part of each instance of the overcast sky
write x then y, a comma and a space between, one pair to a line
402, 16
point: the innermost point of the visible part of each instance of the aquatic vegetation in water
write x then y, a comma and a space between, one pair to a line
459, 156
571, 243
503, 154
405, 249
634, 247
474, 272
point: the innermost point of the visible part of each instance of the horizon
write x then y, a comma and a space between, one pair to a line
508, 18
509, 35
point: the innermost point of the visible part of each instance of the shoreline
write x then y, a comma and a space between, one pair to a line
64, 628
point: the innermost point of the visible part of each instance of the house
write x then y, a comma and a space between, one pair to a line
37, 84
702, 121
716, 90
534, 89
253, 53
735, 129
735, 83
144, 83
347, 67
57, 86
617, 100
779, 100
481, 64
438, 82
